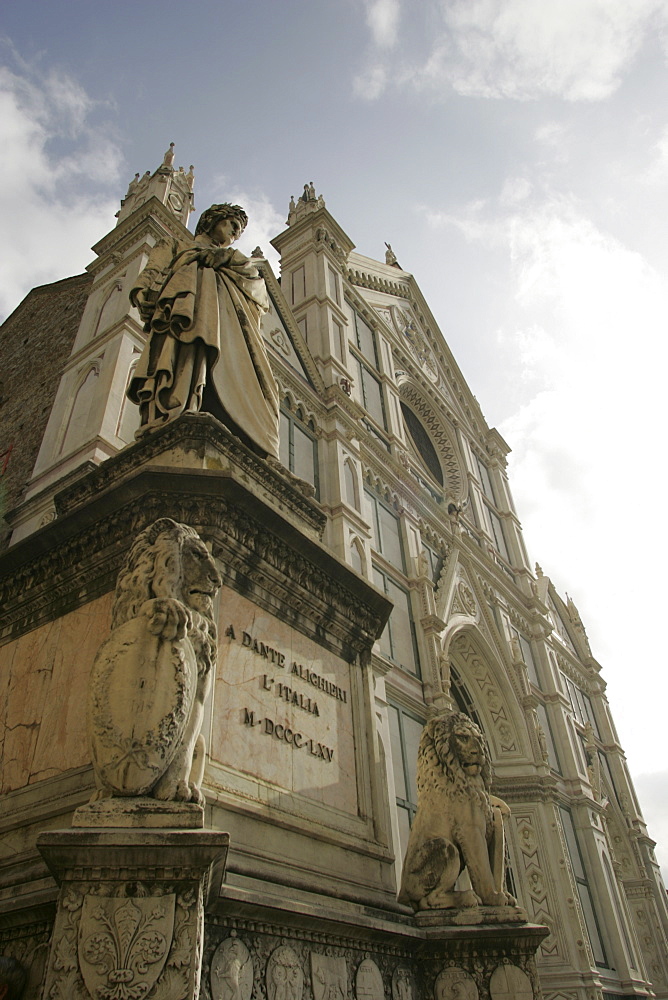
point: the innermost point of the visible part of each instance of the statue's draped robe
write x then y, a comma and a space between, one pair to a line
206, 345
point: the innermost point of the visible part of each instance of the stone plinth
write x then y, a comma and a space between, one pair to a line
491, 957
139, 813
470, 916
130, 913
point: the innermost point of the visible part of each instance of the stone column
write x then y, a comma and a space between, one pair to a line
130, 914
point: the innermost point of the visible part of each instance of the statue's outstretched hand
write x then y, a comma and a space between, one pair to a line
167, 617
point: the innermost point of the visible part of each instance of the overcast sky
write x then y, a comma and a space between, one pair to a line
515, 155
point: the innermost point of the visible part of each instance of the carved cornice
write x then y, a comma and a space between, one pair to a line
518, 788
191, 433
264, 552
378, 284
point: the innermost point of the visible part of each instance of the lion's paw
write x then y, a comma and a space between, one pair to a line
167, 617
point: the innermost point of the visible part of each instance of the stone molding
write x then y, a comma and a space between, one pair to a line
192, 433
130, 911
420, 954
76, 558
378, 284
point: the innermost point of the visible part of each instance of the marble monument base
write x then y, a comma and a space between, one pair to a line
493, 955
468, 916
130, 912
139, 813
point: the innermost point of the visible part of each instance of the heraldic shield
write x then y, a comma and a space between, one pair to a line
329, 976
124, 944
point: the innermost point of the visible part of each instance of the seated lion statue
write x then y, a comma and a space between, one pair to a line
458, 823
151, 676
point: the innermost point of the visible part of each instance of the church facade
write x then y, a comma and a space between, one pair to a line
378, 419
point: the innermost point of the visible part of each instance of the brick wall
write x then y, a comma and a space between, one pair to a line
35, 343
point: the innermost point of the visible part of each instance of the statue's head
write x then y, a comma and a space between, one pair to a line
167, 559
460, 746
213, 216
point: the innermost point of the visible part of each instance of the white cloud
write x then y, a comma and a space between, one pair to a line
56, 167
577, 50
371, 82
264, 222
382, 17
586, 447
657, 170
584, 333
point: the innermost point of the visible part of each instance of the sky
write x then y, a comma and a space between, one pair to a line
515, 155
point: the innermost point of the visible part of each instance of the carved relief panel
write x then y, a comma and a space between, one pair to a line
231, 971
508, 982
455, 984
329, 977
285, 978
368, 981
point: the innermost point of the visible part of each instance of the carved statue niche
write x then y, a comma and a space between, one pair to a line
151, 676
458, 823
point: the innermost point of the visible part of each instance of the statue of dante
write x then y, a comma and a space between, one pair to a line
202, 304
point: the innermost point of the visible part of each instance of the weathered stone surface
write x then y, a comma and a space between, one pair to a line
139, 813
130, 912
151, 676
47, 320
458, 823
470, 916
231, 971
285, 977
42, 733
202, 304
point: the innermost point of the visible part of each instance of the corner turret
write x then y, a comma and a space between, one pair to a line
172, 187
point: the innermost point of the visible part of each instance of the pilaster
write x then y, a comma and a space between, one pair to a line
130, 911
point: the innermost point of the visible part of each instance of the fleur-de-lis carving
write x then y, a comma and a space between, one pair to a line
130, 939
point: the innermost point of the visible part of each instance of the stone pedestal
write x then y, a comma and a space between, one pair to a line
487, 959
130, 913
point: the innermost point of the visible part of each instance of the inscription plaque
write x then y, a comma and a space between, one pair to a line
283, 707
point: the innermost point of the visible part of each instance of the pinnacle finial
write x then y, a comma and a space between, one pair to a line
168, 158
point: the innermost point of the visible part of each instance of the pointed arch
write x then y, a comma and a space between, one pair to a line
82, 400
482, 672
357, 555
351, 483
108, 307
441, 437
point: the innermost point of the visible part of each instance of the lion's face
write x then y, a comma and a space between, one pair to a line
468, 749
200, 580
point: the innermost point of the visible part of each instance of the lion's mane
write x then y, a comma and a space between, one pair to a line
437, 756
154, 568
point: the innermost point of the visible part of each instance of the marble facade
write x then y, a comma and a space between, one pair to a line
390, 498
